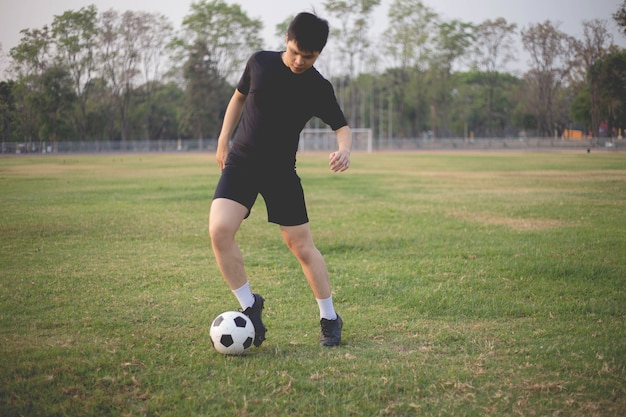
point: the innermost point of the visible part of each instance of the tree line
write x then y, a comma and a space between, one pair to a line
120, 76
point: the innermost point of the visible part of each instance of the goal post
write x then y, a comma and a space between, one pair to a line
326, 140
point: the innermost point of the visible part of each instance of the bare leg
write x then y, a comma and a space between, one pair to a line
300, 242
224, 222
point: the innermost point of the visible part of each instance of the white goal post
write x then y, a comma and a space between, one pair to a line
325, 139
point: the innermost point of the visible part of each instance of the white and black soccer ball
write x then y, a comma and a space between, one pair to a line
232, 333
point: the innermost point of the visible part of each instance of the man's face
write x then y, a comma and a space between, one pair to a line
298, 60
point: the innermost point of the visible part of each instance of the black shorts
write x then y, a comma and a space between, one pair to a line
281, 190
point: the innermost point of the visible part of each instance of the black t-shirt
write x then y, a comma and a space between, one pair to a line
278, 106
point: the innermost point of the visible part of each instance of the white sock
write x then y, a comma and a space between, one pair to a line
327, 310
244, 296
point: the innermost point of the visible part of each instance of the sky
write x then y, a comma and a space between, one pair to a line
16, 15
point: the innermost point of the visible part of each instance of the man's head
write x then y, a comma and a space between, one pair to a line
306, 37
309, 32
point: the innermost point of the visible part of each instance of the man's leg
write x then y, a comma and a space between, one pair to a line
300, 242
224, 222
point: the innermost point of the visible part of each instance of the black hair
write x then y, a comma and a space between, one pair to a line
309, 31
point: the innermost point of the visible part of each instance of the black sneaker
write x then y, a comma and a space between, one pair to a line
254, 313
331, 331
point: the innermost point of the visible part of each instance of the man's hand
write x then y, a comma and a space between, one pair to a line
339, 161
221, 154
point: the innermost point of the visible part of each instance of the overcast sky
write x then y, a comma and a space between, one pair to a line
16, 15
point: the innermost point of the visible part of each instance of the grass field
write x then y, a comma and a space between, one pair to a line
470, 284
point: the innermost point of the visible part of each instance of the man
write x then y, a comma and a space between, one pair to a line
276, 96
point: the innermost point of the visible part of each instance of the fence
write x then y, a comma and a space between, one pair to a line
362, 143
521, 144
175, 145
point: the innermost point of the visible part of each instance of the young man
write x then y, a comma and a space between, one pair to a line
276, 96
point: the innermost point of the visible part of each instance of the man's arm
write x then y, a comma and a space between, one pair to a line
231, 118
340, 160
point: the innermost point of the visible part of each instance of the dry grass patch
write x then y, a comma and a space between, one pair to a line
516, 224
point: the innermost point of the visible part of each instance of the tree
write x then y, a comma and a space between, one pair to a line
118, 58
471, 99
580, 111
352, 40
133, 45
166, 106
32, 55
610, 74
101, 112
594, 45
206, 94
128, 45
54, 104
155, 33
30, 59
4, 60
620, 17
451, 42
352, 36
407, 43
7, 112
75, 38
281, 30
550, 63
217, 40
493, 49
408, 39
229, 35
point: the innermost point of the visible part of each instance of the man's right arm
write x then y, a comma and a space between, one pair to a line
231, 118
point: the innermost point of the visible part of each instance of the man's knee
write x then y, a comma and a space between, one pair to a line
304, 250
219, 233
224, 220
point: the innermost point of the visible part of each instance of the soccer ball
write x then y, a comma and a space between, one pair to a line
232, 333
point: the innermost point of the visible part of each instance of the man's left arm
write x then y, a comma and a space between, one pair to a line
339, 161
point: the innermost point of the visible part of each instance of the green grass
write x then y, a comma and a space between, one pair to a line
470, 284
